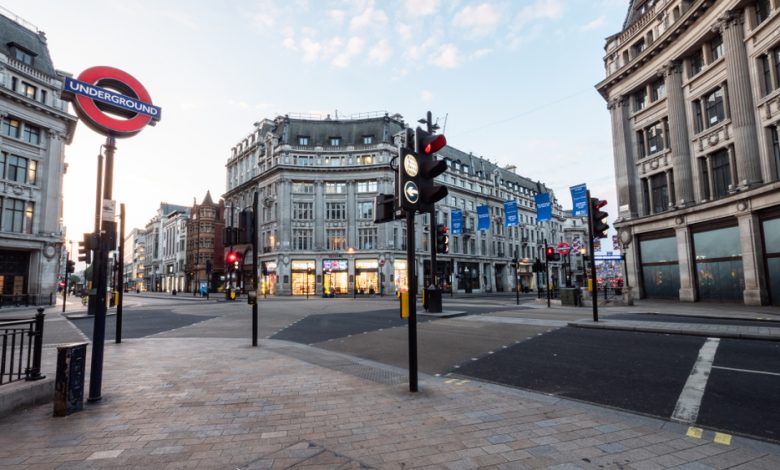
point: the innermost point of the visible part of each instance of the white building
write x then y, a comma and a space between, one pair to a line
34, 129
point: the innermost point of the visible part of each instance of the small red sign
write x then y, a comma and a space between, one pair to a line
564, 248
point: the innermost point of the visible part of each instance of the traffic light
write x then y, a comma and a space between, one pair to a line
549, 253
417, 170
232, 259
70, 266
89, 243
442, 239
246, 226
598, 218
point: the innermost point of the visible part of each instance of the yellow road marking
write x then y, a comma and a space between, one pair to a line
721, 438
694, 432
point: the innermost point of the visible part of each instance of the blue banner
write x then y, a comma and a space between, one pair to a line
456, 216
510, 207
543, 207
483, 218
579, 200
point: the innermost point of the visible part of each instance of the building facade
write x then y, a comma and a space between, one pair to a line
134, 258
205, 265
693, 89
317, 179
163, 235
34, 129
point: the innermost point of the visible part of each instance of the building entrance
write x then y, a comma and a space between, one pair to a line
303, 277
335, 276
367, 276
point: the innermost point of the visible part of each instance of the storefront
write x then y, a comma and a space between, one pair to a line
268, 277
367, 276
303, 277
468, 277
660, 267
13, 275
335, 276
400, 276
771, 235
719, 271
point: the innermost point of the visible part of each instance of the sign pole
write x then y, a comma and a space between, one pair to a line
594, 296
412, 300
120, 273
546, 273
255, 212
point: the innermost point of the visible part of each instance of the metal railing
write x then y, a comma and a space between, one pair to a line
22, 346
18, 300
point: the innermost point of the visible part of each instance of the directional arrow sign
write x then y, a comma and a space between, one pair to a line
411, 193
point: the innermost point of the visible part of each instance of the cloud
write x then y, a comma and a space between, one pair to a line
540, 10
446, 57
264, 21
480, 53
370, 17
421, 7
337, 16
353, 48
311, 50
478, 20
426, 96
595, 24
380, 53
405, 31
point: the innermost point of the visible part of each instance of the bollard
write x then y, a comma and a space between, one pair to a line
69, 383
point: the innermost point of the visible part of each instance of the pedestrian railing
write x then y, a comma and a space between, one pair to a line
18, 300
22, 346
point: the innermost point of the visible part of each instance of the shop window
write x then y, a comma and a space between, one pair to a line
660, 268
719, 271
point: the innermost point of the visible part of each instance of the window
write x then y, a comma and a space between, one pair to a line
368, 139
716, 48
303, 140
17, 169
660, 193
28, 90
762, 11
365, 160
776, 57
302, 210
721, 173
32, 172
766, 74
304, 188
334, 141
335, 188
659, 89
638, 47
655, 137
714, 107
698, 119
3, 158
23, 56
17, 215
32, 134
696, 63
11, 127
335, 211
301, 239
367, 186
365, 210
303, 160
336, 239
640, 99
367, 238
640, 144
773, 137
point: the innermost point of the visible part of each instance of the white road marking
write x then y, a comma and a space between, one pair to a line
747, 370
689, 403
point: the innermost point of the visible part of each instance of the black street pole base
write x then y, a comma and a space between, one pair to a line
94, 399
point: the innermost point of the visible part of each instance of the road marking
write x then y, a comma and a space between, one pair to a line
721, 438
689, 403
749, 371
456, 381
694, 432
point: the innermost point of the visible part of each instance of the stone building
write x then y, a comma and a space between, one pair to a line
205, 253
165, 249
693, 88
134, 258
34, 129
317, 179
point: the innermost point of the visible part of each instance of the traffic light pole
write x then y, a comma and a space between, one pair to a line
412, 300
546, 273
100, 276
120, 274
517, 281
594, 280
255, 243
65, 289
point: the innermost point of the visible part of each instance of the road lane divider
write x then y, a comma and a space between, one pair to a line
689, 403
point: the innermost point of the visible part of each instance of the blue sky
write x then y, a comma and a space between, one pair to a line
513, 80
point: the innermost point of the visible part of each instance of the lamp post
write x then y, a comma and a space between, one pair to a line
351, 252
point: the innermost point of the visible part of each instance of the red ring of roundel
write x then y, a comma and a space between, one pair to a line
99, 118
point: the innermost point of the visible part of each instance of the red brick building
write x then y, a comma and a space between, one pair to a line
205, 264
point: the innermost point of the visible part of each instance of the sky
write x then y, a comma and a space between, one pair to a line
512, 81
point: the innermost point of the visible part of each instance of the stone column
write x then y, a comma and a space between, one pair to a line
650, 206
669, 188
732, 166
679, 141
755, 292
743, 109
625, 168
710, 181
686, 263
319, 208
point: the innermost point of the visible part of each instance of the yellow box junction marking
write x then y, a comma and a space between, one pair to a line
721, 438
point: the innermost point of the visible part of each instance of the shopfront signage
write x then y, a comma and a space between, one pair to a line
366, 264
334, 265
111, 102
299, 265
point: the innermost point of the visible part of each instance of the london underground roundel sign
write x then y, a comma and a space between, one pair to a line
111, 102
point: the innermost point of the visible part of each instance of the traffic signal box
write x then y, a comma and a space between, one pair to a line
417, 169
70, 267
91, 242
598, 218
551, 254
442, 239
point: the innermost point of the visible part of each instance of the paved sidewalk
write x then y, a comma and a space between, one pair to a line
217, 403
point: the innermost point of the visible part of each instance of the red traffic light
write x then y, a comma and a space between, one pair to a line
550, 251
232, 257
432, 144
443, 229
599, 204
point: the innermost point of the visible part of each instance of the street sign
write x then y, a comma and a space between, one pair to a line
411, 193
564, 248
608, 257
100, 104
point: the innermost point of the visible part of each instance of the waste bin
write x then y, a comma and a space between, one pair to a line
69, 382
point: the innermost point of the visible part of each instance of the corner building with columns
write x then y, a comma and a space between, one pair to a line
316, 179
693, 89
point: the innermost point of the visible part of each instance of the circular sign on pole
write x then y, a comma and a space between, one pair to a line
111, 102
410, 165
411, 193
564, 248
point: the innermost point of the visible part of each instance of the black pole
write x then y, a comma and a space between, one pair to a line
546, 274
100, 275
120, 273
412, 300
517, 281
98, 205
594, 293
65, 289
255, 244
